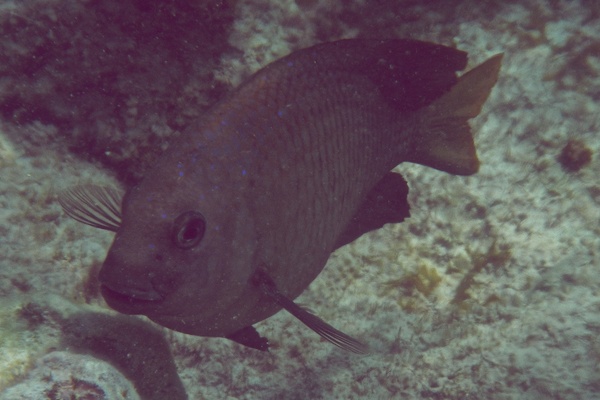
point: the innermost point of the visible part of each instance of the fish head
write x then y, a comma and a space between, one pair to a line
183, 252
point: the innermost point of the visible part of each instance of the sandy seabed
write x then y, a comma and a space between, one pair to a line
490, 290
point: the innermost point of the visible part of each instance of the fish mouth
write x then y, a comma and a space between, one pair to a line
132, 301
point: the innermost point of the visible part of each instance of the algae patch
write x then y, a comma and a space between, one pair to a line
424, 281
496, 256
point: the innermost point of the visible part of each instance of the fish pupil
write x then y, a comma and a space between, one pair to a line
188, 229
189, 233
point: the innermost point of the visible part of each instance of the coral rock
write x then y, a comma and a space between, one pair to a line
63, 375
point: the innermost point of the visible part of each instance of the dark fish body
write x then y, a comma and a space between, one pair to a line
273, 175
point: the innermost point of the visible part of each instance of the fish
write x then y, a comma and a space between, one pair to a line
242, 211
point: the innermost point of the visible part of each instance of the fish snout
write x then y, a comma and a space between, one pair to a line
133, 289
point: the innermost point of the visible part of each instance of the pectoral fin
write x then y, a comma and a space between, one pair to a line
97, 206
262, 280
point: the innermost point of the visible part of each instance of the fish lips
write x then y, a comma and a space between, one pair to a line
131, 301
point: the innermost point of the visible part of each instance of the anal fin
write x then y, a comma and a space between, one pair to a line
386, 203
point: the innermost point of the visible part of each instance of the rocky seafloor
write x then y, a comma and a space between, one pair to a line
490, 290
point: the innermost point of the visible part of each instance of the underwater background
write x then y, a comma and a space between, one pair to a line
490, 290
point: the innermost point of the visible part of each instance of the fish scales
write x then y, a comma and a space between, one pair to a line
295, 189
243, 210
319, 187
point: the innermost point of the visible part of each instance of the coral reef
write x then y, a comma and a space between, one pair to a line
86, 81
116, 77
137, 348
60, 375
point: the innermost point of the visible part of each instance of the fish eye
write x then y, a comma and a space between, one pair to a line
188, 229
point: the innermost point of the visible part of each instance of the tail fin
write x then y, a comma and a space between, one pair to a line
446, 142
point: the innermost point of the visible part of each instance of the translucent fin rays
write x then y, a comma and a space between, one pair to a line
97, 206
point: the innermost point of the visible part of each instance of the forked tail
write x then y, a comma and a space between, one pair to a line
445, 141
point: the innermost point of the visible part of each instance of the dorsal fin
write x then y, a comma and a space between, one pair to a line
409, 74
